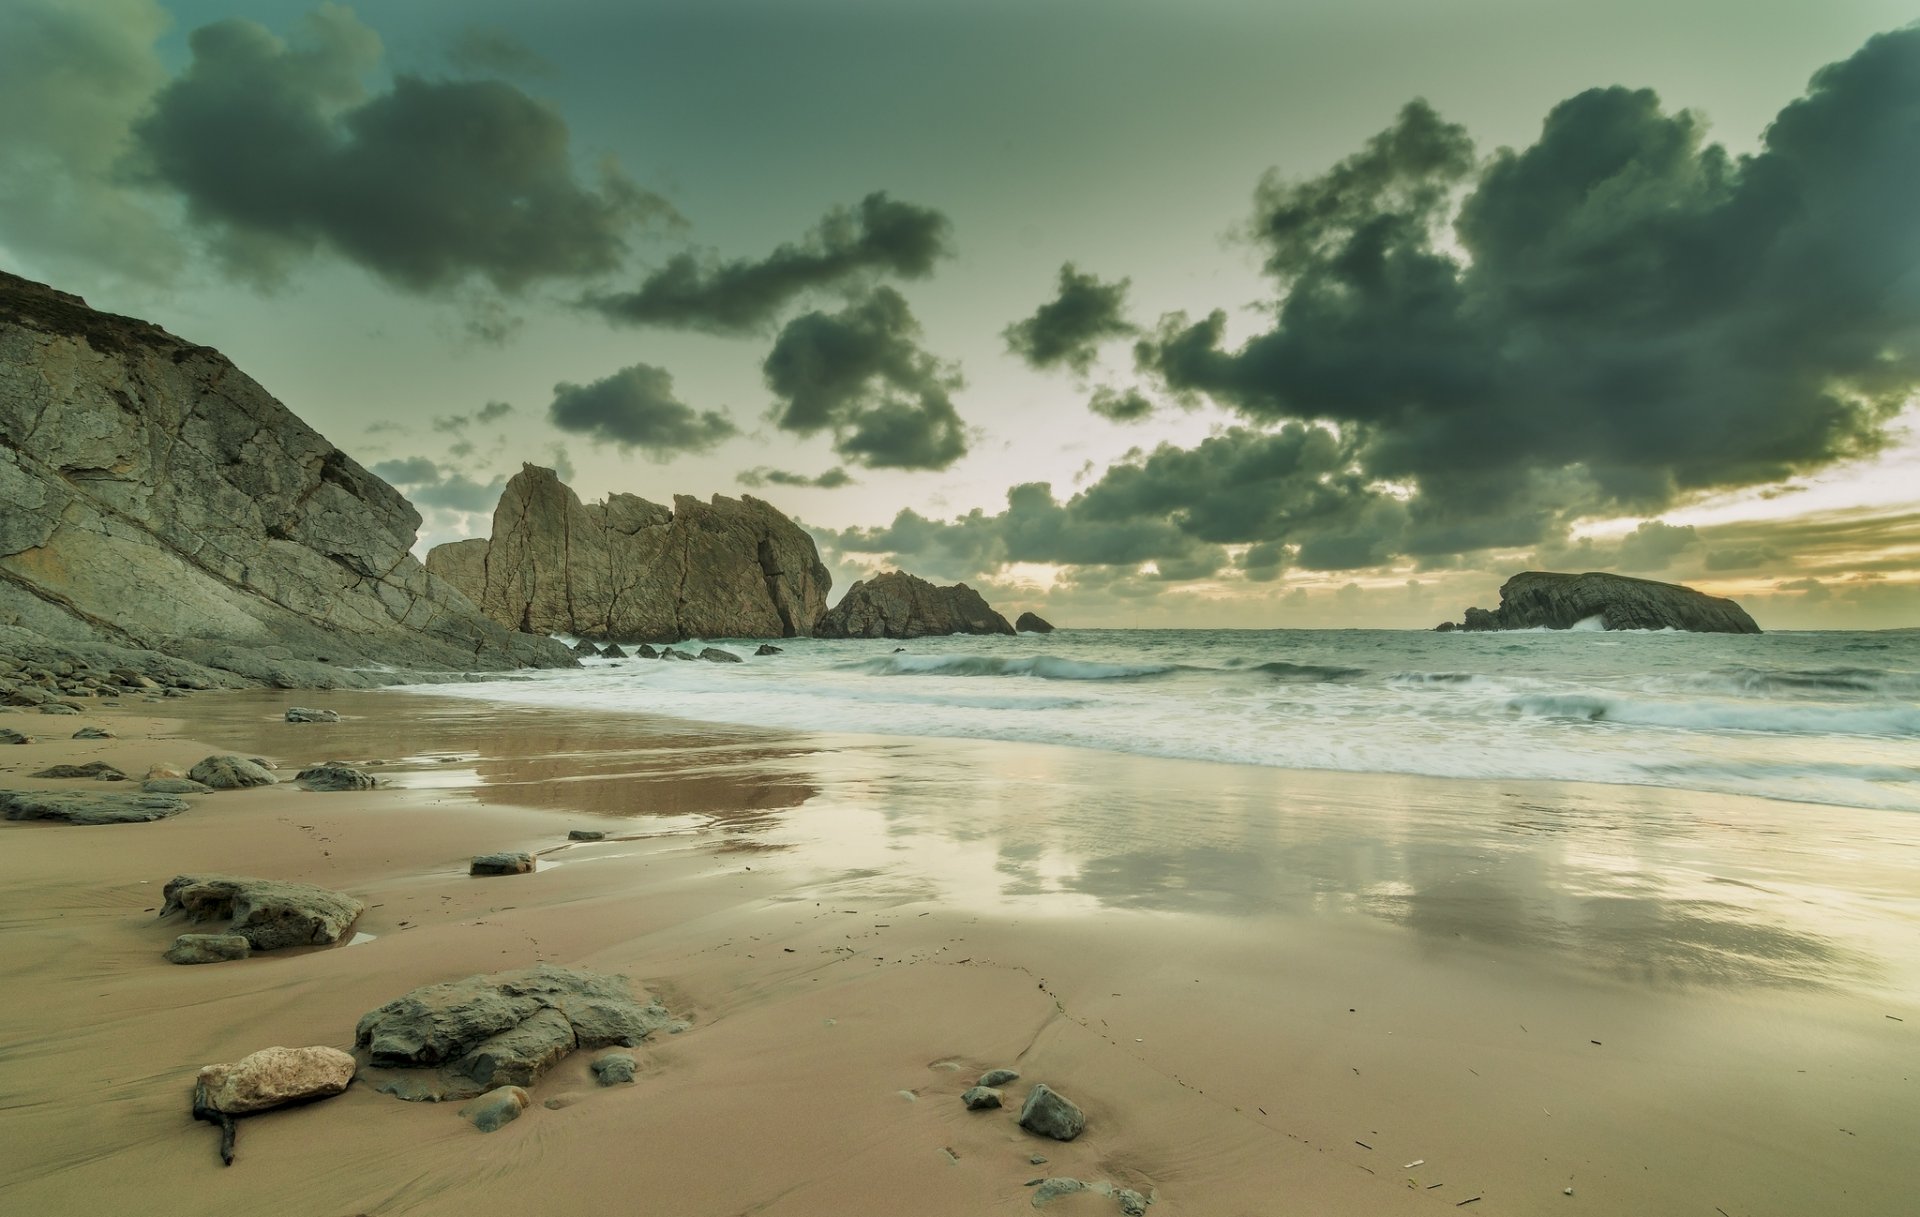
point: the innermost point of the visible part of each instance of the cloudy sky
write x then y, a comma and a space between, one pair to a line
1217, 313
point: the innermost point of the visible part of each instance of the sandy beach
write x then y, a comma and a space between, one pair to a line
1272, 992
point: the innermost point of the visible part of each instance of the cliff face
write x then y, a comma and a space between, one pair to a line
1539, 598
633, 570
899, 605
153, 496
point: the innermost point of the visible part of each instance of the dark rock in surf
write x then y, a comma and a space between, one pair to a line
613, 651
1536, 599
1032, 623
767, 648
899, 605
716, 655
304, 714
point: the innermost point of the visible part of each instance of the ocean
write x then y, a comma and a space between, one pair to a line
1823, 717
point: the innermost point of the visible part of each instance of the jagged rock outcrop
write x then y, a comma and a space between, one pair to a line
1534, 599
159, 500
629, 569
899, 605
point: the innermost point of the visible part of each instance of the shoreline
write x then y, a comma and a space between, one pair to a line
1361, 944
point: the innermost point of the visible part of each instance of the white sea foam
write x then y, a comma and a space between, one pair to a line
1783, 715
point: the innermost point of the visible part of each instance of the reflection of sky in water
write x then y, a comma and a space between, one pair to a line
1644, 885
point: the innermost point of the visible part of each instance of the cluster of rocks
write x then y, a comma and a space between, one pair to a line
644, 651
899, 605
36, 674
1048, 1113
1548, 600
467, 1038
484, 1039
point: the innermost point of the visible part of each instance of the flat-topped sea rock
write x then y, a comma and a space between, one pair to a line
457, 1039
89, 809
270, 914
899, 605
507, 863
1543, 599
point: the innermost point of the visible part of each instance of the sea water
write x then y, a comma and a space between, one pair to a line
1827, 717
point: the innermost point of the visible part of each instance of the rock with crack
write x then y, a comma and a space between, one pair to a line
89, 809
615, 1068
264, 1080
981, 1098
270, 914
628, 568
304, 714
94, 733
456, 1040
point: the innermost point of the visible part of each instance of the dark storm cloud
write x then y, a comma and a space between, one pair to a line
1120, 405
406, 471
881, 235
1623, 303
635, 408
493, 411
1293, 494
278, 151
1068, 329
832, 479
860, 373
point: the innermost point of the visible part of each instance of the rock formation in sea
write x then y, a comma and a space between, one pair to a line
629, 569
1032, 623
158, 500
1535, 599
899, 605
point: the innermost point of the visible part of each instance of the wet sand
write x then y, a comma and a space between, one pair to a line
1271, 991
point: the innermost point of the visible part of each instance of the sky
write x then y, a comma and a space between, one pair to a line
1211, 314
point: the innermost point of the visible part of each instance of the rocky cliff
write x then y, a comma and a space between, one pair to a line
154, 498
1539, 598
637, 571
899, 605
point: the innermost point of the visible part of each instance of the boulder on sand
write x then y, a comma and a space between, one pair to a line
455, 1040
497, 1108
334, 775
1051, 1114
502, 864
264, 1080
89, 809
98, 770
208, 948
270, 914
229, 772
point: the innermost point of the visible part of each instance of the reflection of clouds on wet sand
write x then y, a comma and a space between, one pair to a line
1653, 887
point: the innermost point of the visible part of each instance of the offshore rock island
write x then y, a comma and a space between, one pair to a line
1542, 599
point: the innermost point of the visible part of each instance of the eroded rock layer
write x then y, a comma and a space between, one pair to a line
157, 498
